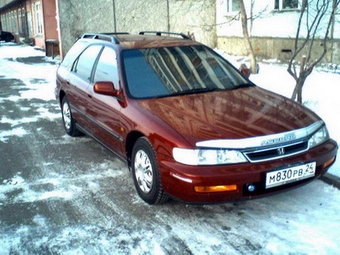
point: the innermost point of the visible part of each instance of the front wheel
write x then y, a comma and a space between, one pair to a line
145, 173
68, 121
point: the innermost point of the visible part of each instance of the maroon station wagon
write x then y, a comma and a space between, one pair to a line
189, 125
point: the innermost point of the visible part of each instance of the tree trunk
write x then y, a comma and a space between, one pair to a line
316, 21
297, 93
249, 47
300, 80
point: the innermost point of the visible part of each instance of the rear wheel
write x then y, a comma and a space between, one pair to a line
145, 173
68, 121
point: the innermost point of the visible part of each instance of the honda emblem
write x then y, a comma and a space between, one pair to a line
281, 151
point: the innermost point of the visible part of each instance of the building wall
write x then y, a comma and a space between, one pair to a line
51, 37
21, 19
186, 16
38, 33
277, 48
209, 21
272, 30
50, 21
264, 20
5, 2
79, 16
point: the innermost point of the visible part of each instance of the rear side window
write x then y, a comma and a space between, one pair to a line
107, 67
73, 53
84, 64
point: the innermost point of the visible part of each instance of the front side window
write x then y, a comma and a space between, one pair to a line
173, 71
84, 63
106, 69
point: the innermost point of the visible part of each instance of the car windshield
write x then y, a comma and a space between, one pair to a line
171, 71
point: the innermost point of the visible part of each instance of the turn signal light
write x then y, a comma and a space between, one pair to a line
219, 188
329, 162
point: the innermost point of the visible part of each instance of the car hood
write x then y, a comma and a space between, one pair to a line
235, 114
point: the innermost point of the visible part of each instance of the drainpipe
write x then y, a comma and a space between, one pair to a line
168, 13
58, 28
114, 16
43, 23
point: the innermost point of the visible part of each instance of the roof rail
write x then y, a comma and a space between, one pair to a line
159, 33
110, 36
114, 33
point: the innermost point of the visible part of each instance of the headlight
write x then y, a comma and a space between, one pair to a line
319, 137
207, 156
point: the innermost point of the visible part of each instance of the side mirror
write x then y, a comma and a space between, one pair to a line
245, 70
105, 88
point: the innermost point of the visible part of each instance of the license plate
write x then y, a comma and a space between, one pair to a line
291, 174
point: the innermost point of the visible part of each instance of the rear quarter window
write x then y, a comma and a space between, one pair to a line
83, 65
73, 53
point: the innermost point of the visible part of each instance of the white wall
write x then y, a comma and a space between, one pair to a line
267, 22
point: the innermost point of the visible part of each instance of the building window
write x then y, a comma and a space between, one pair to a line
287, 4
233, 6
22, 21
38, 24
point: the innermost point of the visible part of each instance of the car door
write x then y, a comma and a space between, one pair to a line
104, 110
79, 82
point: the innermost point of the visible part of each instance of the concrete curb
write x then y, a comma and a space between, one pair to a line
331, 179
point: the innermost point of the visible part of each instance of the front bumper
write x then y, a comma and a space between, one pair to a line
179, 181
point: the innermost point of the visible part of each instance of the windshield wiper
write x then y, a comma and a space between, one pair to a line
202, 90
244, 85
194, 91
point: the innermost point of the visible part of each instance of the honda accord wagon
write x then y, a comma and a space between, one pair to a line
188, 124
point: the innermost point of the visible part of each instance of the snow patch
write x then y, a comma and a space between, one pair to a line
54, 194
4, 135
17, 179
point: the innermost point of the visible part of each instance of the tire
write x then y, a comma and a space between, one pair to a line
68, 121
8, 39
145, 173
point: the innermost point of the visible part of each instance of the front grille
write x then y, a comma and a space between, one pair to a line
276, 152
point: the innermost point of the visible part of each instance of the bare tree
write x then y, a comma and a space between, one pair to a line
249, 47
316, 16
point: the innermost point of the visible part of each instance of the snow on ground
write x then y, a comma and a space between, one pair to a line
30, 76
46, 71
281, 227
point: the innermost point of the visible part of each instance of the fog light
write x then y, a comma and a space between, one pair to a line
219, 188
251, 187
